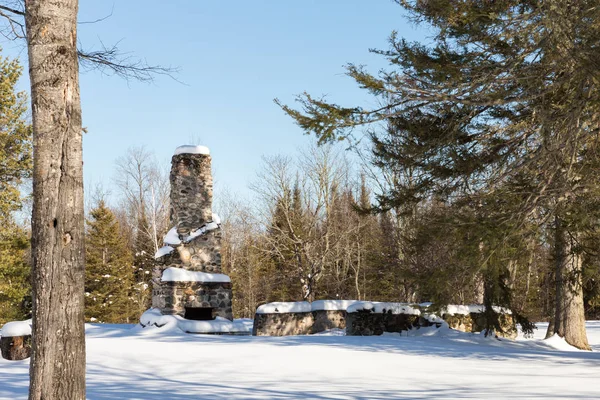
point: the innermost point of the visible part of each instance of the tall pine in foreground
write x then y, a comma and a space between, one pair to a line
15, 288
109, 270
505, 99
15, 169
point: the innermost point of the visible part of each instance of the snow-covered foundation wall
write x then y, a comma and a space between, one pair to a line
476, 322
363, 318
300, 318
367, 319
192, 245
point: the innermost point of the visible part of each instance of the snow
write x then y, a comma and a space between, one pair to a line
218, 325
284, 307
152, 322
16, 328
473, 308
190, 149
332, 305
381, 307
172, 237
163, 251
211, 226
558, 343
126, 363
173, 274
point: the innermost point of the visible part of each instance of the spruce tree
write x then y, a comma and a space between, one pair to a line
15, 288
505, 97
15, 169
109, 270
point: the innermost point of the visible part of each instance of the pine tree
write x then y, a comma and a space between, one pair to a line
15, 139
109, 271
507, 93
15, 288
15, 169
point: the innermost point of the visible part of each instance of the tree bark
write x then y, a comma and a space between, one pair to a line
58, 361
569, 317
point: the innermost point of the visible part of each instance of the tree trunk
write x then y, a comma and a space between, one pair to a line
58, 361
569, 317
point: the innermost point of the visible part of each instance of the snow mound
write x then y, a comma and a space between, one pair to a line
331, 332
17, 328
173, 274
191, 149
152, 318
472, 308
559, 343
284, 307
153, 321
332, 305
381, 307
218, 325
434, 319
440, 329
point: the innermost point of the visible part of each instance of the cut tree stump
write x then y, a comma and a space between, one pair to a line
15, 347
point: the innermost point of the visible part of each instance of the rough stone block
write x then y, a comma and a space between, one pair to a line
15, 347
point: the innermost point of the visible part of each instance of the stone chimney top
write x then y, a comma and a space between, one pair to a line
192, 149
191, 188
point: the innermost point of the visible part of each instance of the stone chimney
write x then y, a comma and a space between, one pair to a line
191, 190
187, 278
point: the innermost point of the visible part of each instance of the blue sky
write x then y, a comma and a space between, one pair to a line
234, 57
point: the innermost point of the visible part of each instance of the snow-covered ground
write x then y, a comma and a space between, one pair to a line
124, 364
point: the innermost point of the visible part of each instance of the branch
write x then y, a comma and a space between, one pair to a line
109, 60
12, 10
99, 19
17, 26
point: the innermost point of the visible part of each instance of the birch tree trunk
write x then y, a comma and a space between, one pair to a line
58, 360
569, 317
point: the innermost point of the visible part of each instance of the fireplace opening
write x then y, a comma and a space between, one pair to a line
198, 313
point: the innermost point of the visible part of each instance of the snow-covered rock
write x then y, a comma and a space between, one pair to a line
173, 274
16, 328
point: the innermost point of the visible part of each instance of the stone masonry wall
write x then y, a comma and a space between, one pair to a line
328, 319
173, 297
475, 322
366, 323
283, 324
201, 254
191, 191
